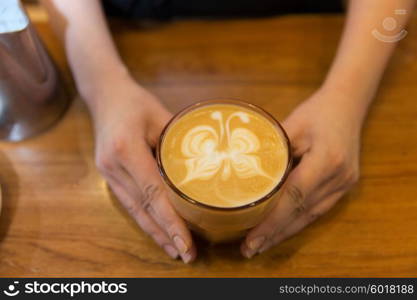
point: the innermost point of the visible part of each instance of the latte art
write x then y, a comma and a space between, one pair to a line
204, 159
224, 155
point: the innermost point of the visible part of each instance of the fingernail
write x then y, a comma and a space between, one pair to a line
171, 251
256, 243
186, 258
263, 248
180, 244
248, 253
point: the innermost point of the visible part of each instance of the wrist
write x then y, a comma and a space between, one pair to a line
343, 102
99, 83
103, 89
349, 91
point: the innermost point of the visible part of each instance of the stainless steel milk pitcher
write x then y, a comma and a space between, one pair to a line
32, 96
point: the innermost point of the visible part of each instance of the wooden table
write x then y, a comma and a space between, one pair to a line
59, 219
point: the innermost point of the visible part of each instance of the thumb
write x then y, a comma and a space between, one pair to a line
157, 124
296, 132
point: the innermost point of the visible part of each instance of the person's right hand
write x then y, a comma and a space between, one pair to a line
128, 121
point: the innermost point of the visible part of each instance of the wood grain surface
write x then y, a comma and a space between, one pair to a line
59, 218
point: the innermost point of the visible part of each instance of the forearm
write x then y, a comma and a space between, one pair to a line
361, 57
91, 53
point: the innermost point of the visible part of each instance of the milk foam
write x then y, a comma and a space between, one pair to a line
204, 158
224, 155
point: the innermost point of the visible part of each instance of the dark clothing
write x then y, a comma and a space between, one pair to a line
168, 9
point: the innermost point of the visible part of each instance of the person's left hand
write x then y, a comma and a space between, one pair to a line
325, 134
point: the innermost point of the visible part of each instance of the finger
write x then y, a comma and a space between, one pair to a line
145, 204
154, 201
303, 180
143, 220
300, 223
158, 124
